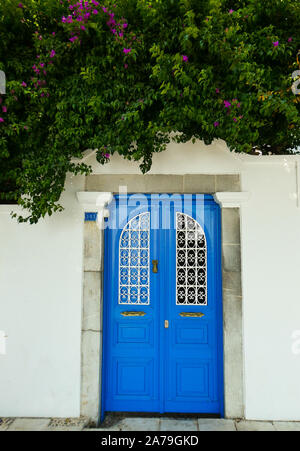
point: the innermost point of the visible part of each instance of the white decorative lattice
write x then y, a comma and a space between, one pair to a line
134, 259
191, 262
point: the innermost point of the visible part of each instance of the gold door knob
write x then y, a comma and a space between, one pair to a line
155, 266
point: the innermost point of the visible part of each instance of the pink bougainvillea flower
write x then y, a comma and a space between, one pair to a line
241, 117
95, 11
216, 124
1, 119
290, 39
52, 54
276, 43
4, 109
107, 155
24, 84
104, 9
42, 64
121, 35
73, 39
235, 119
63, 19
83, 27
20, 5
53, 34
125, 25
126, 51
126, 66
238, 105
227, 104
217, 91
231, 11
185, 58
25, 127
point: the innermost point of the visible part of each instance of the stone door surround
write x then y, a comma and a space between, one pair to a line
227, 193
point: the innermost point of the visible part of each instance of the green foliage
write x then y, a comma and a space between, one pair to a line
93, 95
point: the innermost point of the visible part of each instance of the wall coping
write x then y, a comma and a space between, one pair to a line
92, 202
231, 200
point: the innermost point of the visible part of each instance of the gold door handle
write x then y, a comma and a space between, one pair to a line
191, 314
133, 313
155, 266
166, 324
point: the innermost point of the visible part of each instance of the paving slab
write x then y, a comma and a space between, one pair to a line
254, 426
139, 424
174, 424
29, 424
287, 426
5, 423
210, 425
68, 424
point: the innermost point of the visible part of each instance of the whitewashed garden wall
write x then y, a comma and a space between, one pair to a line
41, 287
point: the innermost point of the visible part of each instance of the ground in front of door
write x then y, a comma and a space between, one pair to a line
131, 423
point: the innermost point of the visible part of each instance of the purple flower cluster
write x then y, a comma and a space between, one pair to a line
82, 11
229, 106
117, 28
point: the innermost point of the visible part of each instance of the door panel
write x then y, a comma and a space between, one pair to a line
147, 366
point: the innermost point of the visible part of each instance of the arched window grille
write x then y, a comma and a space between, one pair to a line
191, 262
134, 265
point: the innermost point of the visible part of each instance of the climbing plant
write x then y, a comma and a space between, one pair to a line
128, 76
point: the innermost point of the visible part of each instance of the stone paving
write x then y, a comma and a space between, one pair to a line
131, 423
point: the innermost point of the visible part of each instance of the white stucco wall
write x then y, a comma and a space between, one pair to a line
271, 265
40, 312
41, 286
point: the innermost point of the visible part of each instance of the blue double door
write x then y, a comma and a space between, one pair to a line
163, 329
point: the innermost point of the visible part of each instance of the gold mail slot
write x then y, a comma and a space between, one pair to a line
191, 314
133, 313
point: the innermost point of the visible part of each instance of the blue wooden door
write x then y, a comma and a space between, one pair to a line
162, 339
